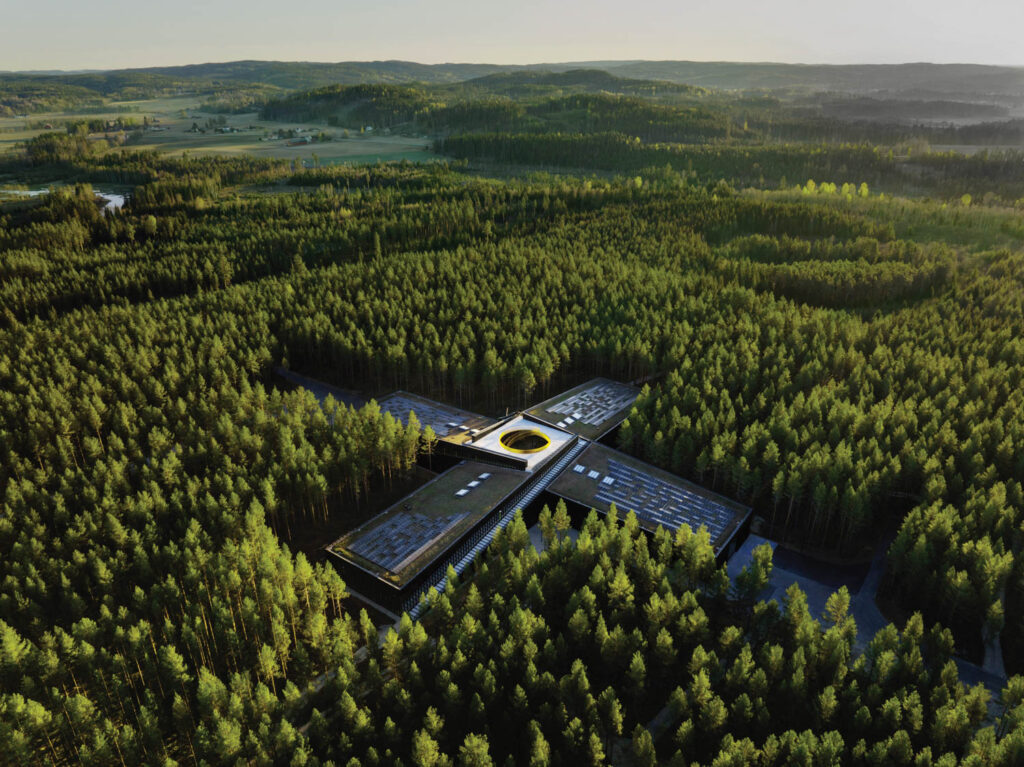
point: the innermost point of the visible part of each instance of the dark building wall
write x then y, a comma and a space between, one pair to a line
611, 437
470, 453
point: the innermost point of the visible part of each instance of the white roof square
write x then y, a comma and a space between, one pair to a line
593, 474
461, 492
579, 468
474, 483
553, 440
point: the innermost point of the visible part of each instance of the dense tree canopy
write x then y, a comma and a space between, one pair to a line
846, 364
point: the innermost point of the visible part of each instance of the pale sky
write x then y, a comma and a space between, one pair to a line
108, 34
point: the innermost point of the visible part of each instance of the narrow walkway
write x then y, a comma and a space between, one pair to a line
993, 661
862, 606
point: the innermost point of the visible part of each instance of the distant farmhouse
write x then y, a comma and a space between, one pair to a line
496, 467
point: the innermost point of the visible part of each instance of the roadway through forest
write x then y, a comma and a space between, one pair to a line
320, 389
863, 608
819, 580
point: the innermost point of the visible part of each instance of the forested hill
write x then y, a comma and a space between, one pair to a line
937, 78
925, 77
31, 93
579, 101
948, 79
309, 74
962, 81
588, 80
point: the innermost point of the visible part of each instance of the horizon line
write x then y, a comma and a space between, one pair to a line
589, 62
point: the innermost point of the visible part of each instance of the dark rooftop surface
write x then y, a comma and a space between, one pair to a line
402, 540
590, 410
601, 476
447, 421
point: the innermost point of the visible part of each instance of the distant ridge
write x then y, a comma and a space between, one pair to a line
972, 80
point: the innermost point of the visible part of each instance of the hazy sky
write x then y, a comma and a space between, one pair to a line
103, 34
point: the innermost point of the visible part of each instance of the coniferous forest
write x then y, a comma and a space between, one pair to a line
829, 333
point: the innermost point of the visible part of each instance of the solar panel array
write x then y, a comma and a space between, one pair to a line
596, 405
658, 502
389, 544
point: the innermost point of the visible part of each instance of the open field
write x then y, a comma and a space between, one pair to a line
175, 137
17, 129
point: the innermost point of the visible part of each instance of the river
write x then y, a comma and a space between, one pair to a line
112, 200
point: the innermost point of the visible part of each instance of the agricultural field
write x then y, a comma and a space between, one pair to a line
172, 134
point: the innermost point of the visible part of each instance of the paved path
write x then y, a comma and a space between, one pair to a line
993, 661
537, 537
814, 579
862, 605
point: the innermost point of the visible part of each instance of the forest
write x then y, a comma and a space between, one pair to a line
595, 102
831, 332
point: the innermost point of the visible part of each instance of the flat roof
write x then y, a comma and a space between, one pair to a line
496, 440
591, 409
657, 497
406, 537
447, 421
